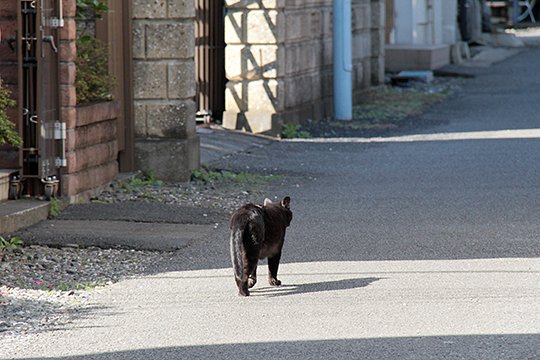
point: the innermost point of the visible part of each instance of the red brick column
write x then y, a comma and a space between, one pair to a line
8, 72
68, 54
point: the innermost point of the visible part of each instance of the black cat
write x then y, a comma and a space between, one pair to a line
258, 232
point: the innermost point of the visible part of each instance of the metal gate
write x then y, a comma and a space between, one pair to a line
210, 59
42, 133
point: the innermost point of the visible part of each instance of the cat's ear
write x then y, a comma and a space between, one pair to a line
286, 202
267, 202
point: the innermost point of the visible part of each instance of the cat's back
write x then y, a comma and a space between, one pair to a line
246, 213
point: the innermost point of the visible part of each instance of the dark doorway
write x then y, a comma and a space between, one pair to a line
210, 60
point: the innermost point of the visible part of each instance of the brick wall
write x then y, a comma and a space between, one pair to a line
92, 148
91, 144
164, 88
9, 157
279, 59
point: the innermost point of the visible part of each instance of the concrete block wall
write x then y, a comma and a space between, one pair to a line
378, 31
164, 88
368, 25
279, 60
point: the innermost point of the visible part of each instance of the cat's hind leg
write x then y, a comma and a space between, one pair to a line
250, 271
252, 277
273, 265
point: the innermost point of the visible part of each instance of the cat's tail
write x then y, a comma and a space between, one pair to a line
238, 253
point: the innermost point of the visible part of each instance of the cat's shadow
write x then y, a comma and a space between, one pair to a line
315, 287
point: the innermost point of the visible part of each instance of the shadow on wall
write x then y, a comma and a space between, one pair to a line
517, 346
251, 68
272, 123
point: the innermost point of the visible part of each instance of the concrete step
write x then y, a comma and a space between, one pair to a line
416, 57
4, 184
19, 214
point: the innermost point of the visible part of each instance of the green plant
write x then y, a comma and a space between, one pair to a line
290, 131
385, 103
93, 82
139, 183
89, 10
8, 133
71, 285
13, 243
145, 180
54, 207
207, 176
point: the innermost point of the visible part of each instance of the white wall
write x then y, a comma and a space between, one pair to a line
425, 22
449, 21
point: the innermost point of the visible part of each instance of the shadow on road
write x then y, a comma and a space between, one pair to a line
516, 346
284, 290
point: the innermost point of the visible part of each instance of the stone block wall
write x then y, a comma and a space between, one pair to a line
279, 60
166, 142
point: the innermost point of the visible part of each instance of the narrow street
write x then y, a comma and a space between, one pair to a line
421, 249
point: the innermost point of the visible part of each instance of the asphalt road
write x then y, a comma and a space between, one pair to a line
397, 250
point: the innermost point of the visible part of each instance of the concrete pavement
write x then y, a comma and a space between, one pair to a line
328, 310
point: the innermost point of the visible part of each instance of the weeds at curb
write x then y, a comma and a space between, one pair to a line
9, 245
244, 179
54, 207
290, 131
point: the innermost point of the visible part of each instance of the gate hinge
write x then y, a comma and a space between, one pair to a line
56, 23
59, 131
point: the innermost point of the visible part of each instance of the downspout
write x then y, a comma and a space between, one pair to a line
342, 58
60, 14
